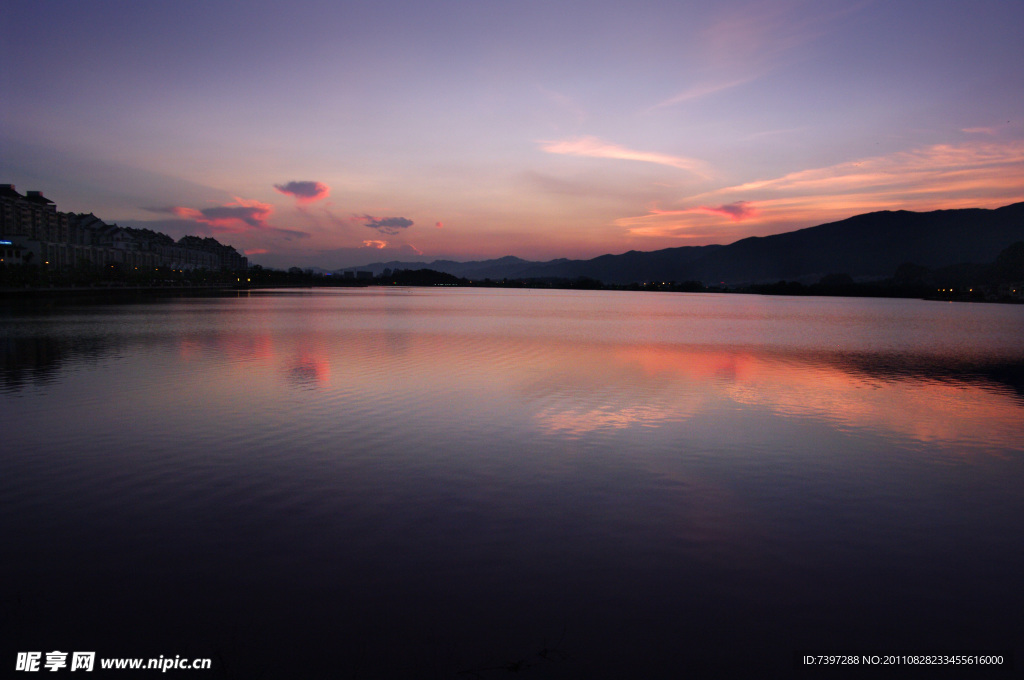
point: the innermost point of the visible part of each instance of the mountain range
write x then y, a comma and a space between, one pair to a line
866, 247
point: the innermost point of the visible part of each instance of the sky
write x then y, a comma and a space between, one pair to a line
330, 133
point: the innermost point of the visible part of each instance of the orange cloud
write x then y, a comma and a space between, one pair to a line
375, 244
700, 222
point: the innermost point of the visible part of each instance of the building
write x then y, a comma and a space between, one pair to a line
9, 253
43, 236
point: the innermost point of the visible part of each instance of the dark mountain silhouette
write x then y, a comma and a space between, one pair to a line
870, 246
494, 269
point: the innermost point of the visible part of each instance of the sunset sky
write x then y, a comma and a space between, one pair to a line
332, 134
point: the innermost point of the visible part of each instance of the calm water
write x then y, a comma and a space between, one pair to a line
461, 483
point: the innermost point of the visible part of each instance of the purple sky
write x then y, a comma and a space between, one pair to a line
336, 134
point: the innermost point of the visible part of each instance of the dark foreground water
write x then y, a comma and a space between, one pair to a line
468, 483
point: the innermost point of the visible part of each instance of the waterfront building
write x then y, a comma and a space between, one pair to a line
44, 236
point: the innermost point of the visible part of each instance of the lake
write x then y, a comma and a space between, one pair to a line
474, 483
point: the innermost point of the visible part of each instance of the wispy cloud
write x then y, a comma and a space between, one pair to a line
565, 103
758, 33
701, 222
705, 89
748, 41
379, 245
288, 234
737, 211
936, 171
304, 192
931, 178
596, 148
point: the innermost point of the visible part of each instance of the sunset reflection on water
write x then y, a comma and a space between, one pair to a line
493, 467
572, 388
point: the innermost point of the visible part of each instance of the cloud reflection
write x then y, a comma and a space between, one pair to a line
670, 384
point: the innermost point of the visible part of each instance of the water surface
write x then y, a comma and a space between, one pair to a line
453, 483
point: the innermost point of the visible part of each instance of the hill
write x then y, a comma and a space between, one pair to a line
869, 246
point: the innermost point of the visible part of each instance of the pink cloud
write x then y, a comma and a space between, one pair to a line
596, 148
236, 217
379, 245
304, 192
257, 251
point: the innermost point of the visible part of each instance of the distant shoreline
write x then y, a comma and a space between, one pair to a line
114, 292
39, 292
